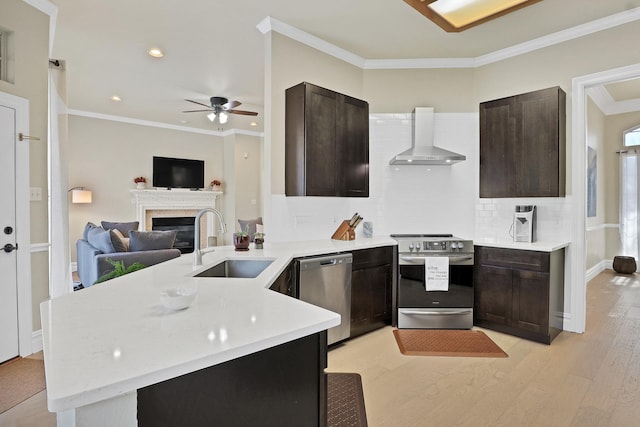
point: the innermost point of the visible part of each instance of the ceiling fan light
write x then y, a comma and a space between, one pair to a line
223, 117
211, 116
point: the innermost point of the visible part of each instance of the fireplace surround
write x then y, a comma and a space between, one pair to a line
178, 203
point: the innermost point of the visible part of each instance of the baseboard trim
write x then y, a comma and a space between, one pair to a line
36, 341
598, 268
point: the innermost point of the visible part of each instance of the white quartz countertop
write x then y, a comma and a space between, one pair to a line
543, 246
116, 337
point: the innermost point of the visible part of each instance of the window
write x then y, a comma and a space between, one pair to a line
632, 136
7, 55
2, 55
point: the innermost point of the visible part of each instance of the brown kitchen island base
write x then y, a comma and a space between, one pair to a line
280, 386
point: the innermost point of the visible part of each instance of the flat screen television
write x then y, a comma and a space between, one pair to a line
169, 172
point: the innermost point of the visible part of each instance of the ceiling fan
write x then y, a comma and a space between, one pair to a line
220, 107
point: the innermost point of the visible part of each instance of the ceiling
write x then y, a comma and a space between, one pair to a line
213, 47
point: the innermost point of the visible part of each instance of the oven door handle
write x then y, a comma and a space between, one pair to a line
437, 313
451, 258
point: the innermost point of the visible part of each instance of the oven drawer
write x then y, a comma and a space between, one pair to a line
429, 318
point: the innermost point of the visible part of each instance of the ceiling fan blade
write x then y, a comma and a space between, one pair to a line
231, 104
242, 112
199, 103
197, 111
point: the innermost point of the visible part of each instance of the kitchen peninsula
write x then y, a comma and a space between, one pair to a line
112, 351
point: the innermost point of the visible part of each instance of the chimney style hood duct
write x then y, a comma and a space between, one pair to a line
423, 151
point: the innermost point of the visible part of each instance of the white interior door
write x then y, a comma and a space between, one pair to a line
9, 345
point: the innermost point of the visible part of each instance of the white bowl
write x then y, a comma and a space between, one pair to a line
178, 298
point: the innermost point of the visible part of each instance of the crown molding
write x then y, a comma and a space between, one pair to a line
271, 24
161, 125
601, 24
44, 6
609, 106
395, 64
50, 9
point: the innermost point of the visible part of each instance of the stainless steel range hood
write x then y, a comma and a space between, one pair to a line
423, 152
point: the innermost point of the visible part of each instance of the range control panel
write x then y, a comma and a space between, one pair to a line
424, 244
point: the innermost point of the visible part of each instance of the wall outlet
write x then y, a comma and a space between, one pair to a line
35, 194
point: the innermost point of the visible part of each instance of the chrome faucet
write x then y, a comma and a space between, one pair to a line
197, 253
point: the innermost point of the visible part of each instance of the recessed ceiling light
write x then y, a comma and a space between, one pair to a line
155, 52
184, 121
253, 124
116, 98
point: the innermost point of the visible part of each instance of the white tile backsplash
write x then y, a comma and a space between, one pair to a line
494, 218
418, 199
402, 199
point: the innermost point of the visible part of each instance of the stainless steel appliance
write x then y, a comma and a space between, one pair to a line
422, 308
423, 152
325, 281
524, 224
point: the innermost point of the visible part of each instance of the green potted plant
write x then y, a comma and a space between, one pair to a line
241, 239
119, 270
258, 239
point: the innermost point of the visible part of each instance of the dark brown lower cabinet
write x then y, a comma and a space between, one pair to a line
372, 281
285, 283
280, 386
520, 292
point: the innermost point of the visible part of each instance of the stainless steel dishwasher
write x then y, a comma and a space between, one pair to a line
325, 281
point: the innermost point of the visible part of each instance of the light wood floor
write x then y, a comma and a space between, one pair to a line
590, 379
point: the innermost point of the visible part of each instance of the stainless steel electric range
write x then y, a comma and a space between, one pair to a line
435, 283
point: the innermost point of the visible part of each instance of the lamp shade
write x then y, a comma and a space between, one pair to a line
80, 195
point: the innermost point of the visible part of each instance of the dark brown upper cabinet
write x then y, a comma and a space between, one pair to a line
522, 145
326, 143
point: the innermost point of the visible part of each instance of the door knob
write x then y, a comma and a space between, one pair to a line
9, 247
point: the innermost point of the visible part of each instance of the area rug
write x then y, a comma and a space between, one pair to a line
345, 401
446, 342
19, 380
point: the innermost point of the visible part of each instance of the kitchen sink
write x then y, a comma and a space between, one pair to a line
237, 268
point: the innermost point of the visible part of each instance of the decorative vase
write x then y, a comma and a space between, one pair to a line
141, 185
241, 242
216, 188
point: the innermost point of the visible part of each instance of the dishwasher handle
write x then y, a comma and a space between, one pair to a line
323, 261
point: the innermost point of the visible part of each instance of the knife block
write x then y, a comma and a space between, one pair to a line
344, 232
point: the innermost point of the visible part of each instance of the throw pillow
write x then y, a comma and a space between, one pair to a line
85, 232
151, 240
100, 239
119, 242
122, 227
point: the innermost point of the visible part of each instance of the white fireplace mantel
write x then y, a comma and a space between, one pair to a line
146, 200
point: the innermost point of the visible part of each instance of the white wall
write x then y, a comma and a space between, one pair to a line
105, 156
248, 171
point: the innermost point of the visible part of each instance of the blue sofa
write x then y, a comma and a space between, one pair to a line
100, 243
